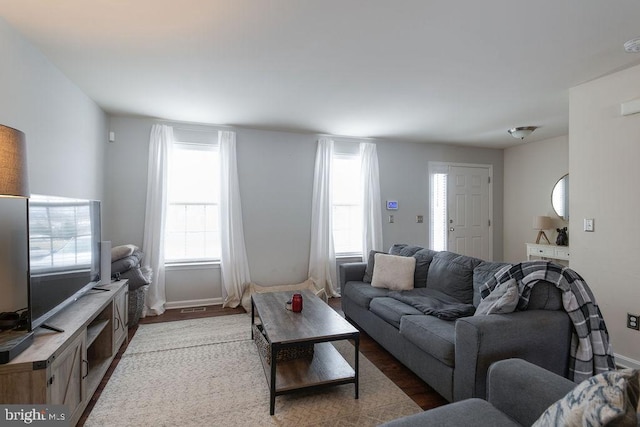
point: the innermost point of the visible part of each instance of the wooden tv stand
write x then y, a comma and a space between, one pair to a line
67, 367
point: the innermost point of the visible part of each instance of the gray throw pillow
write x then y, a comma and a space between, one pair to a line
396, 248
503, 299
423, 261
485, 271
136, 278
371, 261
452, 274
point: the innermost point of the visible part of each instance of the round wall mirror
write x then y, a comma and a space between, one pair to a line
560, 197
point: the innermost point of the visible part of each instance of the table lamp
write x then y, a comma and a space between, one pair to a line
542, 223
13, 163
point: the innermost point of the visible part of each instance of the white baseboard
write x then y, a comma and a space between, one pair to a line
626, 362
193, 303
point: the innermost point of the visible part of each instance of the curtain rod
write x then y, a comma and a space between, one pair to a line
187, 126
181, 126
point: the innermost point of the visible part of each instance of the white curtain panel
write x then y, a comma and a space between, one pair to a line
233, 259
160, 145
322, 258
371, 203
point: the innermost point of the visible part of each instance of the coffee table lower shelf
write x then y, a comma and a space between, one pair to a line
327, 368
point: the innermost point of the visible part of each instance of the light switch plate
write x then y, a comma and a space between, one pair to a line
588, 224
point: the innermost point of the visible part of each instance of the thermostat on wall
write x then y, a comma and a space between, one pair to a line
392, 205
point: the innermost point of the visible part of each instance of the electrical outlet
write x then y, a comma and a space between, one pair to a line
633, 321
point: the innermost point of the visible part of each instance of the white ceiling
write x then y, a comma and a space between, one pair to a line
447, 71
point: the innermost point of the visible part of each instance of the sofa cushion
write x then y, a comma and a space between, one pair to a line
481, 275
545, 296
432, 335
391, 310
362, 293
452, 274
402, 249
423, 257
423, 261
393, 272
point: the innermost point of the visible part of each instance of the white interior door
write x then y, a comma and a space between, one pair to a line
468, 211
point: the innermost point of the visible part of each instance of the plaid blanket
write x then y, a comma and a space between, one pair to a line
591, 352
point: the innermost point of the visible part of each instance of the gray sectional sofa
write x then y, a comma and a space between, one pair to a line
453, 356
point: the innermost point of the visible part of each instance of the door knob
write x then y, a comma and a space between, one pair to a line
452, 229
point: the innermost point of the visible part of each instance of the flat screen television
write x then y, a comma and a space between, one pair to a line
64, 254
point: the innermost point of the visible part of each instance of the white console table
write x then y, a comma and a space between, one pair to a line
552, 252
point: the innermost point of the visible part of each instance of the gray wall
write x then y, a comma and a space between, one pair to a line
604, 148
66, 131
404, 177
276, 181
66, 140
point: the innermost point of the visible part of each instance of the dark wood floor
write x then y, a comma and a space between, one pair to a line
419, 391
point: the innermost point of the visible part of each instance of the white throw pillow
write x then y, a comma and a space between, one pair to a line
122, 251
393, 272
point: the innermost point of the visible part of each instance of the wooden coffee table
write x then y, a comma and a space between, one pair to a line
318, 325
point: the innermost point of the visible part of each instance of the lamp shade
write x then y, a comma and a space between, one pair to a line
13, 163
542, 223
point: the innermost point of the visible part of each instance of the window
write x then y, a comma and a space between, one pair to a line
192, 228
439, 211
347, 210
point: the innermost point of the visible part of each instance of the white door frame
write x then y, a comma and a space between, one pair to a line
438, 166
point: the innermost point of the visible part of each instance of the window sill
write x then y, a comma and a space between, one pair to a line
192, 265
348, 256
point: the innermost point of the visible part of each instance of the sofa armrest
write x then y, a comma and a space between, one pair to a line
506, 381
542, 337
351, 272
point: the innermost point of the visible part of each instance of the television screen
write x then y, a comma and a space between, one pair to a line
64, 253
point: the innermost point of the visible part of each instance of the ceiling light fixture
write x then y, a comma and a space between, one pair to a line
632, 46
522, 132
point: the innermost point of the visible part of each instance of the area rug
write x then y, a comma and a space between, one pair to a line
207, 372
